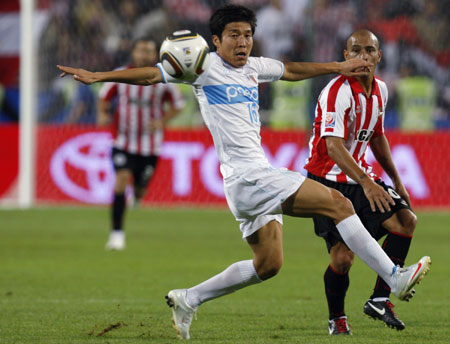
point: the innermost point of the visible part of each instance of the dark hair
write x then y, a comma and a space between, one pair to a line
144, 39
230, 14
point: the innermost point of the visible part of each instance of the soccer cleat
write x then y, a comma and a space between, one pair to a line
384, 311
116, 241
338, 326
406, 278
182, 312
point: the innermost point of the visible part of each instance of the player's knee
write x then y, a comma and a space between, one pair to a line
341, 258
344, 264
269, 269
343, 208
408, 224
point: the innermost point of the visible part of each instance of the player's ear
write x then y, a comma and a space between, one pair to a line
380, 53
345, 54
216, 41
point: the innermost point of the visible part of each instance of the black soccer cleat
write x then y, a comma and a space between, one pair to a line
384, 311
338, 326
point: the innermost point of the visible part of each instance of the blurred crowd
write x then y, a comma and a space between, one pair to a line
414, 37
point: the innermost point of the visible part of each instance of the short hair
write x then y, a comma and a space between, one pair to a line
363, 32
231, 14
144, 39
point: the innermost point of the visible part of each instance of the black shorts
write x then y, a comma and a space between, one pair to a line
142, 167
325, 227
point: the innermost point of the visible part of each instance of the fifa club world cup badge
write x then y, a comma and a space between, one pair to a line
329, 120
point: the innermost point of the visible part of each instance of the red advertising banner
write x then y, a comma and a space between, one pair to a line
73, 165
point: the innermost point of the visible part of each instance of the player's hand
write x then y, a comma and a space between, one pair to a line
401, 190
378, 197
79, 74
355, 67
155, 125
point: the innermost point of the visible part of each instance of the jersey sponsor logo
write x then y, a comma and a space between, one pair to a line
364, 135
330, 120
231, 94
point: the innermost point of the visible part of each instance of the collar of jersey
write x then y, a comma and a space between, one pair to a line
226, 64
357, 88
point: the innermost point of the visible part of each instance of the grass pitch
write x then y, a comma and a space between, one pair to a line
59, 285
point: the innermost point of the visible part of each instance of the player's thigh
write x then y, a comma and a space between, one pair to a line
403, 221
267, 246
313, 198
123, 176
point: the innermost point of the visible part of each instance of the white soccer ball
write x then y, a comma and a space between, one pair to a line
184, 55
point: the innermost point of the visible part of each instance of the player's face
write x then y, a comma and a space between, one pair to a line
363, 46
236, 43
144, 54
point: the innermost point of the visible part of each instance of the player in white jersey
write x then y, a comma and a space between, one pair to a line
349, 116
257, 193
137, 123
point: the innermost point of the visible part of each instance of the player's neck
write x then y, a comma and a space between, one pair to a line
366, 84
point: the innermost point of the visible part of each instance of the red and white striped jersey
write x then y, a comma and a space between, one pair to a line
136, 107
343, 110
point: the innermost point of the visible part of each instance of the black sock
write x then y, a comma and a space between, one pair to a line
396, 247
118, 209
336, 286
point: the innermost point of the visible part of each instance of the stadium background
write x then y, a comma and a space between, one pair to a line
72, 163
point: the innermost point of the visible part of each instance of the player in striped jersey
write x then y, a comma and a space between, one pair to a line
139, 118
258, 193
349, 116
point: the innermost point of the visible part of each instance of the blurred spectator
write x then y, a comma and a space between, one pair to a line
191, 15
157, 23
273, 36
98, 34
120, 38
83, 109
416, 100
435, 38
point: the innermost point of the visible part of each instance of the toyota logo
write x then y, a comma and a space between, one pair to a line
81, 168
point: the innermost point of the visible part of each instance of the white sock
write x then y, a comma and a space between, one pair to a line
236, 276
367, 248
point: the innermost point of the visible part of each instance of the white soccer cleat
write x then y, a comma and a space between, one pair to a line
407, 278
182, 312
116, 241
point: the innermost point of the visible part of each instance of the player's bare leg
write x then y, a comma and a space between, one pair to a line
267, 247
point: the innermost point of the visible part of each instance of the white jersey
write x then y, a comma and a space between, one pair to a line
229, 103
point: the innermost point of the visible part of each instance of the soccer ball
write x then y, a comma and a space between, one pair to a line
184, 55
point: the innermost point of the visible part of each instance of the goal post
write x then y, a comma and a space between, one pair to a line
27, 104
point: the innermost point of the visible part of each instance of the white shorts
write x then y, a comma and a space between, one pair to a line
255, 195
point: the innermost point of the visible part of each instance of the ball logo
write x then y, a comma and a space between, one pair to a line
81, 168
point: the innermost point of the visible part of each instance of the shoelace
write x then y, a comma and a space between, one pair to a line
341, 325
391, 306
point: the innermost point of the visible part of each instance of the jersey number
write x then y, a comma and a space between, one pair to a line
253, 112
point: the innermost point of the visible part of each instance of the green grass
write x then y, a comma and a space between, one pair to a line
59, 285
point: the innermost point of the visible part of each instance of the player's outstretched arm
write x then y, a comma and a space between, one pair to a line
295, 71
136, 76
